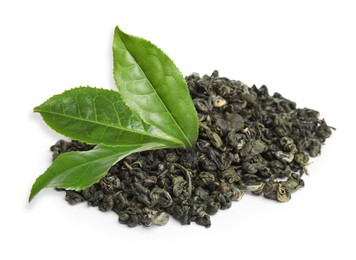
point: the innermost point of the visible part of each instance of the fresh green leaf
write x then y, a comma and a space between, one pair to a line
79, 170
99, 116
153, 110
153, 87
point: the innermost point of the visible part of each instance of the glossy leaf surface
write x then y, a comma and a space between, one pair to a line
153, 87
98, 116
79, 170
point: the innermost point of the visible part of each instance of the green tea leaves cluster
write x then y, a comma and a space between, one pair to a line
151, 110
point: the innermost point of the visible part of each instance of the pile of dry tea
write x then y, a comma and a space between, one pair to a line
249, 141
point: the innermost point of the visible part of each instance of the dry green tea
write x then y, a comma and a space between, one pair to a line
249, 142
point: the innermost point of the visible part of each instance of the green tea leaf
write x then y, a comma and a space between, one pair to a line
99, 116
79, 170
153, 87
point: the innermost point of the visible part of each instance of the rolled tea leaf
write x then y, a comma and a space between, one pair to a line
99, 116
153, 87
79, 170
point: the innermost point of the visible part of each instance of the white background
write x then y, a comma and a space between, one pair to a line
306, 50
